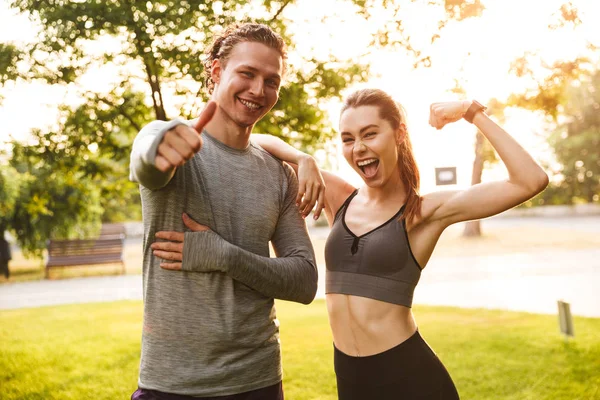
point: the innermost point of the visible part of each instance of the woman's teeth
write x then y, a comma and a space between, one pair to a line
366, 162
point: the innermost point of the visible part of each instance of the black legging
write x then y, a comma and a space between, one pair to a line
408, 371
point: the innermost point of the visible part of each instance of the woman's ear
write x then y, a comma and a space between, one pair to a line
401, 134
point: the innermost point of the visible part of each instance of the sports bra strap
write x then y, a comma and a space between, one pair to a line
345, 204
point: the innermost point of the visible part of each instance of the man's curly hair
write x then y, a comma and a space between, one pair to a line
223, 45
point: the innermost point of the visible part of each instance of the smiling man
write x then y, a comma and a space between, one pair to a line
210, 327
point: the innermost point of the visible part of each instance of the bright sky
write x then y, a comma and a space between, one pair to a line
477, 52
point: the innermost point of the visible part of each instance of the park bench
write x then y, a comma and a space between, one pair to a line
107, 248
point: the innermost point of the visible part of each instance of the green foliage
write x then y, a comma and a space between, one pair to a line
576, 142
93, 140
9, 56
549, 93
77, 173
9, 192
569, 97
53, 204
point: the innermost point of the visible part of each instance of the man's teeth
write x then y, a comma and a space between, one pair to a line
366, 162
250, 105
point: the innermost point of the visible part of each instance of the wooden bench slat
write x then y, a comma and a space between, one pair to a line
101, 250
68, 261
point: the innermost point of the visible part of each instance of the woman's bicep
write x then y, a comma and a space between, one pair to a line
479, 201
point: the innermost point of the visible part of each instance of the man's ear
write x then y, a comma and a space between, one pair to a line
215, 71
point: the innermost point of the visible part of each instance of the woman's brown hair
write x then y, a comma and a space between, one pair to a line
395, 115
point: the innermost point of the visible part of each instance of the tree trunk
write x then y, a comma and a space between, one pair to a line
152, 71
473, 228
4, 254
157, 100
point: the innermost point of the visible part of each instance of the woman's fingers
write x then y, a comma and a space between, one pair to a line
307, 202
168, 255
171, 266
320, 204
301, 191
167, 246
170, 235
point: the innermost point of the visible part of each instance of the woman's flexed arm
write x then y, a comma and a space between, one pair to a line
525, 177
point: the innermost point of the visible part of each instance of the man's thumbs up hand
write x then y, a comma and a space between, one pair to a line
182, 142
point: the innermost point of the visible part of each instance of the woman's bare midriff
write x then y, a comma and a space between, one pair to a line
364, 327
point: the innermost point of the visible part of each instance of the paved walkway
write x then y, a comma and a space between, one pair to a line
523, 282
531, 282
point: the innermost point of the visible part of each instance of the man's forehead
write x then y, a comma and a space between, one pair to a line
257, 56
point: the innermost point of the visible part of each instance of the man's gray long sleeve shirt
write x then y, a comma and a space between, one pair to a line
211, 329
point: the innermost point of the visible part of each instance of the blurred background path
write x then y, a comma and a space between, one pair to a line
521, 264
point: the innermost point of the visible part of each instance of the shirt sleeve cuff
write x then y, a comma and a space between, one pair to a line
205, 252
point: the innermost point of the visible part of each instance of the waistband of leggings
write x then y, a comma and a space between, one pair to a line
397, 361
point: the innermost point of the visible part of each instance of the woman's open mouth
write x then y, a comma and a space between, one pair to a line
368, 167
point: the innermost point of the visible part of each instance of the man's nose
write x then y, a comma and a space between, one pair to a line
257, 88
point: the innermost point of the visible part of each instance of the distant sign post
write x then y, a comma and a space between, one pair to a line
445, 176
565, 320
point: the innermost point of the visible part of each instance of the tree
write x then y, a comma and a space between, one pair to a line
566, 94
568, 99
9, 188
576, 142
9, 191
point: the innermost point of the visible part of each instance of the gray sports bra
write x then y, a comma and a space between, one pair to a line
378, 265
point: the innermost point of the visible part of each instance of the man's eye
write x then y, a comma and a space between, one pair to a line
247, 74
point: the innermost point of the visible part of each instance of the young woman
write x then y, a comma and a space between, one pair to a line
383, 234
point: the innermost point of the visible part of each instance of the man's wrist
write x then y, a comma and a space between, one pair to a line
206, 251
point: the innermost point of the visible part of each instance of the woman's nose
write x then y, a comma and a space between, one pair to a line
359, 146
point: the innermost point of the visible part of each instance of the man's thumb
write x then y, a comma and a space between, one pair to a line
205, 116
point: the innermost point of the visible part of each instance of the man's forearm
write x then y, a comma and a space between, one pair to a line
143, 154
293, 277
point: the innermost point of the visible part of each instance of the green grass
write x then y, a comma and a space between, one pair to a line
92, 351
